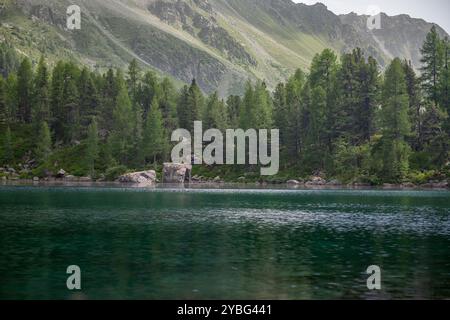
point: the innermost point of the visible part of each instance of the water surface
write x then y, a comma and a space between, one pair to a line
223, 244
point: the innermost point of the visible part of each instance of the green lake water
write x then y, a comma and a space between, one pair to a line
223, 244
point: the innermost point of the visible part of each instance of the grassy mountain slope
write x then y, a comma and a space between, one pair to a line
221, 43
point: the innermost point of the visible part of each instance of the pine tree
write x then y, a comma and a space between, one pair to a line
71, 120
4, 113
154, 137
432, 60
195, 105
395, 123
41, 95
9, 62
109, 95
182, 108
92, 146
168, 106
323, 74
11, 98
88, 99
247, 117
281, 113
415, 105
123, 121
149, 90
215, 114
24, 90
234, 104
44, 143
133, 81
139, 157
444, 84
263, 107
8, 149
293, 119
358, 86
57, 101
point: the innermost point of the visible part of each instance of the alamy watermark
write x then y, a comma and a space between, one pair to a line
236, 148
374, 19
74, 280
374, 280
73, 17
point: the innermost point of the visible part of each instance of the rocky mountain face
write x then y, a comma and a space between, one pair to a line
221, 43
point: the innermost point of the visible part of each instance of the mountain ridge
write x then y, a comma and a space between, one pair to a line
221, 43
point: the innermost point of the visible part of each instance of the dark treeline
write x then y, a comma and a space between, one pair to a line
344, 119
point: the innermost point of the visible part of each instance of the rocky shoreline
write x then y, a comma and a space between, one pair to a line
86, 181
178, 174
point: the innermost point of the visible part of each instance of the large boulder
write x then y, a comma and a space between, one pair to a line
176, 173
316, 181
141, 178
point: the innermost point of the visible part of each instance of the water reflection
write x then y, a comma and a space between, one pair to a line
220, 244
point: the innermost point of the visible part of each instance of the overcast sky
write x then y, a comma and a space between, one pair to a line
436, 11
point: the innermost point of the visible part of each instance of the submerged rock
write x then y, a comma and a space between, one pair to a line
142, 177
176, 173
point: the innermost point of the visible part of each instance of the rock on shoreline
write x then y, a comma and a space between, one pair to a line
142, 178
176, 173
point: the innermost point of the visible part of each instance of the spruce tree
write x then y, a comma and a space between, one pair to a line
233, 104
444, 84
138, 132
432, 60
263, 107
215, 114
24, 90
247, 114
154, 137
123, 123
57, 100
11, 98
293, 119
92, 146
44, 144
4, 113
195, 105
168, 106
323, 74
109, 94
395, 123
133, 81
182, 108
71, 107
149, 90
8, 148
9, 62
88, 99
41, 95
415, 105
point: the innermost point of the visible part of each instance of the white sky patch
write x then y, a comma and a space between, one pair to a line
436, 11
